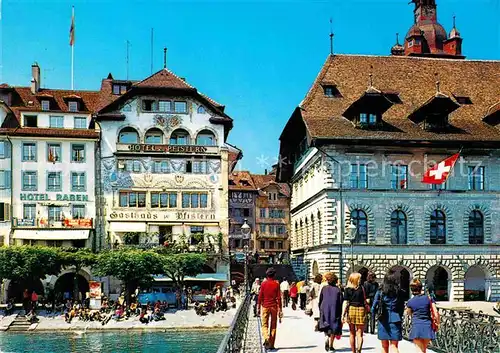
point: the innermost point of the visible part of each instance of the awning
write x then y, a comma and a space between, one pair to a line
207, 277
128, 227
36, 234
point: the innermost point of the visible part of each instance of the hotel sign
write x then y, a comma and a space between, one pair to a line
59, 197
161, 216
179, 149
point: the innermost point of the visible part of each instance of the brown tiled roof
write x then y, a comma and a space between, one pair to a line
163, 79
27, 101
241, 180
47, 132
415, 81
263, 181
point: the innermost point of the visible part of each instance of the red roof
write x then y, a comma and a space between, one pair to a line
263, 181
241, 180
163, 79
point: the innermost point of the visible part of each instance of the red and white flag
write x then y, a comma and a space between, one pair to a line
72, 29
439, 173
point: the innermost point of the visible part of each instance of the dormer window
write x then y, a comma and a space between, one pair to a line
436, 122
45, 105
119, 89
368, 119
73, 106
331, 91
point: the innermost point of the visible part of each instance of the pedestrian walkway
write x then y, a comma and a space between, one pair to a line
296, 335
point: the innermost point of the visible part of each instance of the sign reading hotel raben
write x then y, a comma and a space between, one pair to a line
169, 148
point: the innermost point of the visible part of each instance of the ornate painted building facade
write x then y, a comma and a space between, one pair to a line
356, 148
164, 164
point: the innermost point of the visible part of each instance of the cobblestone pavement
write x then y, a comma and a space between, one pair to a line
296, 335
253, 338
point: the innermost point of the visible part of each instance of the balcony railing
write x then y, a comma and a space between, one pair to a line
463, 331
49, 223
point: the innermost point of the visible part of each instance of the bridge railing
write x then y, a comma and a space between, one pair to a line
463, 331
233, 340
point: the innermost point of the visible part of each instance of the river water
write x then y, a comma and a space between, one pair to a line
112, 342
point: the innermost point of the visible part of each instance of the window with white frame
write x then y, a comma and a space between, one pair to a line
161, 167
29, 151
78, 211
476, 178
78, 153
359, 176
56, 122
180, 107
73, 106
80, 122
263, 228
194, 200
54, 181
399, 177
29, 180
200, 167
164, 106
132, 199
54, 152
5, 177
29, 211
45, 105
54, 213
78, 181
263, 213
163, 199
136, 167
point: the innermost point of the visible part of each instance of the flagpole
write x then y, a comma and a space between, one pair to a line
73, 54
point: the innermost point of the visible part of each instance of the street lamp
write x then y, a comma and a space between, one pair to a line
245, 231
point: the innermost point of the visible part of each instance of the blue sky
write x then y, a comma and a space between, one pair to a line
258, 58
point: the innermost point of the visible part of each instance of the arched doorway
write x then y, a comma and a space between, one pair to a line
16, 288
315, 270
438, 282
475, 284
404, 277
66, 284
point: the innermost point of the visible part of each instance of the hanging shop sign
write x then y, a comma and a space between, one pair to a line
58, 197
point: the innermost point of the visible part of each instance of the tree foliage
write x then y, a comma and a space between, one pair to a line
134, 267
29, 262
178, 266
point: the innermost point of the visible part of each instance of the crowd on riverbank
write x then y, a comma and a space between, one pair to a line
215, 311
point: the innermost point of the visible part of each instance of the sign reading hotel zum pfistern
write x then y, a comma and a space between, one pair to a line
171, 148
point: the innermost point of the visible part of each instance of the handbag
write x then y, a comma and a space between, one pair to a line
367, 306
434, 319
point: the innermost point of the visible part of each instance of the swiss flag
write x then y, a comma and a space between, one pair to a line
440, 172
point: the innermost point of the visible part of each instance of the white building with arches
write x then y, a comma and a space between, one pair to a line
354, 152
163, 163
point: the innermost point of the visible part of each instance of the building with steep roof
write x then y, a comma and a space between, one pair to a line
355, 151
272, 219
164, 166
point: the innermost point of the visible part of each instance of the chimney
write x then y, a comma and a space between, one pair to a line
265, 171
35, 78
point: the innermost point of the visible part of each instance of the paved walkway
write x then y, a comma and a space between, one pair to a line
296, 335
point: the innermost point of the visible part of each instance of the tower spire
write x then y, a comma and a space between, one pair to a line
164, 57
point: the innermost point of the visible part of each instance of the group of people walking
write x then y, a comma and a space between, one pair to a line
358, 305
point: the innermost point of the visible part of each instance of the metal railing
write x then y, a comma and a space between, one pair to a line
233, 340
463, 331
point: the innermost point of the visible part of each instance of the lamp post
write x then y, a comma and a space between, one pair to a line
245, 231
352, 232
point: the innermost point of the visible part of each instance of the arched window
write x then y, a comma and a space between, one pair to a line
398, 227
438, 227
154, 136
476, 228
128, 135
205, 138
360, 220
201, 110
179, 137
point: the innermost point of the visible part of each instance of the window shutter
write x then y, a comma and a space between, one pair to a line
6, 212
7, 178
